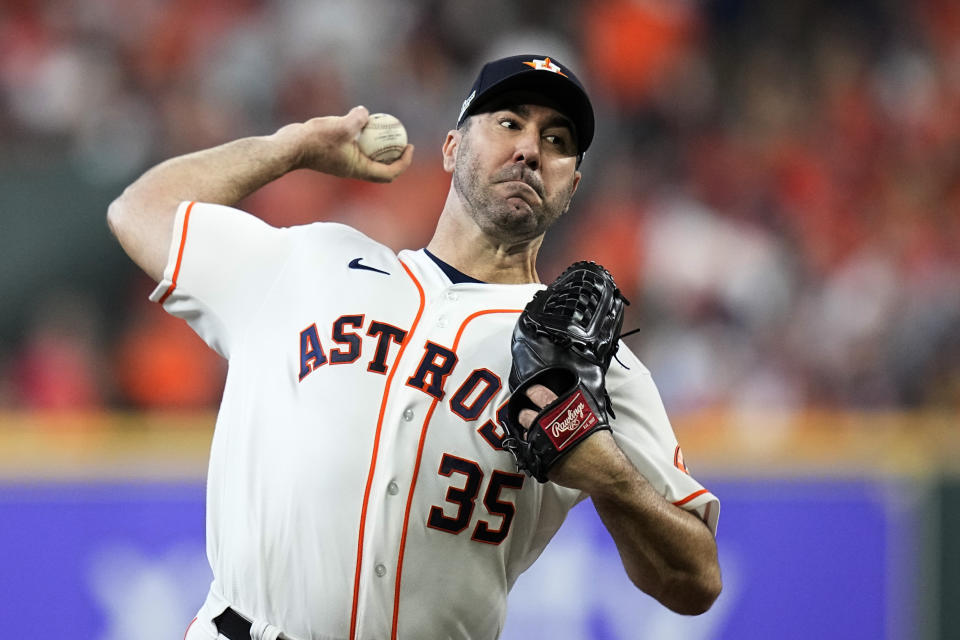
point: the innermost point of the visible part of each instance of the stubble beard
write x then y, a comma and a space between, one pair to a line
498, 217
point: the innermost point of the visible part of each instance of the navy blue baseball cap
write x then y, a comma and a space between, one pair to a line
535, 74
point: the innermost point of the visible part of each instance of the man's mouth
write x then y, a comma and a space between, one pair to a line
521, 182
520, 185
522, 190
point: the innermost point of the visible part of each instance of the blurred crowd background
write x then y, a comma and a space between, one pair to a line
775, 185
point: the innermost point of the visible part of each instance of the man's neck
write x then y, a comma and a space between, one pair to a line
461, 244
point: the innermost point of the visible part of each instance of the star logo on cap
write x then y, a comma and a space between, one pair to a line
545, 65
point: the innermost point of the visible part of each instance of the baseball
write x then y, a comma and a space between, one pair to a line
383, 139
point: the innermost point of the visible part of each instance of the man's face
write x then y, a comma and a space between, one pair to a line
515, 170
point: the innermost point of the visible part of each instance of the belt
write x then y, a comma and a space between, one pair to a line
233, 625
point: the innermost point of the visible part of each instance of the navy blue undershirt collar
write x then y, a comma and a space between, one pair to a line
456, 276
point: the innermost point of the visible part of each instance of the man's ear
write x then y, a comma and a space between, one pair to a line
449, 150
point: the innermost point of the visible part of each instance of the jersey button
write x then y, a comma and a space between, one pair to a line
393, 488
380, 570
408, 415
442, 321
452, 296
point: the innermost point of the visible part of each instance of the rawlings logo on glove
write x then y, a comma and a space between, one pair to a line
573, 421
564, 340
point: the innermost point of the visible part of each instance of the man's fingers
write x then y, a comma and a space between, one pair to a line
329, 145
541, 395
356, 119
381, 172
526, 417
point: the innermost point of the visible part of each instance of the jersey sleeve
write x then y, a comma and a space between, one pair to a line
221, 262
642, 429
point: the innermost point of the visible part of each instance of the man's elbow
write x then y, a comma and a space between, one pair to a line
693, 595
116, 213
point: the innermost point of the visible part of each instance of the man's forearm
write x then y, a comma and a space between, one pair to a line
223, 175
142, 217
667, 552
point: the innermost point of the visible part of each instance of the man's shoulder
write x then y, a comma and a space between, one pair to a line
624, 367
222, 220
335, 237
331, 229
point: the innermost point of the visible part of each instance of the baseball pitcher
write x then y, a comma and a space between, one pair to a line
401, 434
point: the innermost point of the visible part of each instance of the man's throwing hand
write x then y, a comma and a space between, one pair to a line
329, 145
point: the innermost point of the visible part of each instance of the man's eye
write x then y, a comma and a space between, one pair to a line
507, 123
559, 141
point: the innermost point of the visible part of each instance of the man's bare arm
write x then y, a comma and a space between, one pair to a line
142, 217
666, 551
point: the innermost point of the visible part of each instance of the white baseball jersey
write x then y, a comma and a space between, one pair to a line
357, 488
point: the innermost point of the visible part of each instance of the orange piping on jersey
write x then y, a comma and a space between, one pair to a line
406, 518
680, 503
187, 632
416, 470
183, 241
456, 341
373, 455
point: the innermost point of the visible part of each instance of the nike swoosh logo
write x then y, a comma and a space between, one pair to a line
355, 264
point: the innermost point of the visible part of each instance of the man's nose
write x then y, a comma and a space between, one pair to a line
527, 149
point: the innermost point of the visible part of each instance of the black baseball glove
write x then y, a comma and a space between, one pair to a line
564, 340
